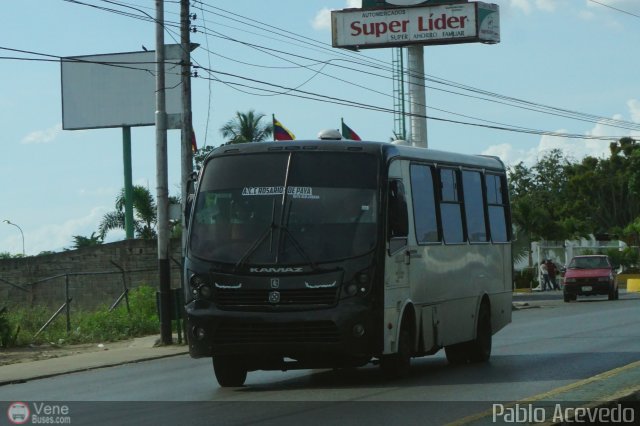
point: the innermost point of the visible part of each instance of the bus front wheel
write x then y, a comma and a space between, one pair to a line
230, 372
397, 365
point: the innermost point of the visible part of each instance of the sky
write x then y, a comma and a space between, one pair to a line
579, 56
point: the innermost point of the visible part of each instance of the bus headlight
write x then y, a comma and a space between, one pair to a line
363, 278
199, 287
196, 281
359, 285
358, 330
352, 289
205, 291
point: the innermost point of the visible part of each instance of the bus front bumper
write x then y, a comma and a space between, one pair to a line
344, 332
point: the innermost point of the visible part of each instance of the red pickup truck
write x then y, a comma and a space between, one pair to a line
590, 275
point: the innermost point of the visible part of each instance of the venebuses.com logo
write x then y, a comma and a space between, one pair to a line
18, 413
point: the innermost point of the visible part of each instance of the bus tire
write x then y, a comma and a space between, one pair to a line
229, 371
480, 347
457, 354
398, 365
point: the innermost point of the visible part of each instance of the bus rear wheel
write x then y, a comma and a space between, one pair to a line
458, 353
480, 347
229, 371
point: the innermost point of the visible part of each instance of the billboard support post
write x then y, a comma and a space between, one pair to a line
417, 96
128, 182
415, 24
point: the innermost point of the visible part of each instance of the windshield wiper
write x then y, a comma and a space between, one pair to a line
283, 229
260, 240
255, 245
283, 215
263, 237
299, 248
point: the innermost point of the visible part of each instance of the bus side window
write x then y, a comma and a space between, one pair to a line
398, 226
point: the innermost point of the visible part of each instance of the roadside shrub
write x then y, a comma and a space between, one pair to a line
8, 331
88, 327
627, 258
525, 278
120, 324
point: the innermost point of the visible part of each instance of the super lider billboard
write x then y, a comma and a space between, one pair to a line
426, 25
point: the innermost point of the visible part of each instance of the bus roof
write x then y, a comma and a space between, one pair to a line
384, 149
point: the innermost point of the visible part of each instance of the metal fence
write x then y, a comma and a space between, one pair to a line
72, 292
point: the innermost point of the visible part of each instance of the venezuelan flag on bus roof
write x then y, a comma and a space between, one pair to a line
348, 133
281, 133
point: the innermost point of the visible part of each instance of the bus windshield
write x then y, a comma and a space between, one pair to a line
329, 212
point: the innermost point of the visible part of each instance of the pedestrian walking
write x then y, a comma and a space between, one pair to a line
552, 270
544, 274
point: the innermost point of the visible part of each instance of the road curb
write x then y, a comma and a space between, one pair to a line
43, 373
620, 384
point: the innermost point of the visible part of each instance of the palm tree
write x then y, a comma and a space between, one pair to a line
144, 212
246, 127
80, 241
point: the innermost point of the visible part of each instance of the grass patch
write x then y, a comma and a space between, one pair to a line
86, 327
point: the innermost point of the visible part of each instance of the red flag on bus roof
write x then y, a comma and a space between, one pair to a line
348, 133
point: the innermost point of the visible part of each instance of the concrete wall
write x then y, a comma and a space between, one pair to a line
92, 275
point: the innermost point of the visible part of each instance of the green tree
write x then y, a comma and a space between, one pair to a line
246, 127
200, 155
80, 241
603, 192
538, 197
144, 214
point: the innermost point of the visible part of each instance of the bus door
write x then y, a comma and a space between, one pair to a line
397, 262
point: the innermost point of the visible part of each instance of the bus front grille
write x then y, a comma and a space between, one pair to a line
291, 297
261, 333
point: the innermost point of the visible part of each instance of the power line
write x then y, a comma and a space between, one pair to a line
614, 8
296, 92
55, 58
367, 62
346, 102
501, 99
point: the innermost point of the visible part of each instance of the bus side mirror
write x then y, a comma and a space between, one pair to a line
398, 226
187, 208
191, 185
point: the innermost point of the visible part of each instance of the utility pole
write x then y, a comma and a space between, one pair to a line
162, 178
187, 124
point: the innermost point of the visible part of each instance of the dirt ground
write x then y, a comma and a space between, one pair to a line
46, 351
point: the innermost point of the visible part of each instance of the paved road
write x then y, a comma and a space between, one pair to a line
543, 349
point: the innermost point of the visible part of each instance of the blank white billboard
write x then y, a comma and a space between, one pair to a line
117, 90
